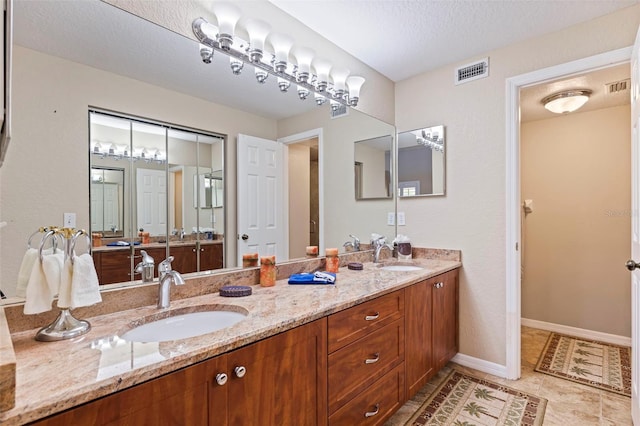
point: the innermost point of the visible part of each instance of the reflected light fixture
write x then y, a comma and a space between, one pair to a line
268, 53
566, 101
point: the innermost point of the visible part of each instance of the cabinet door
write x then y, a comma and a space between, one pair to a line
210, 256
445, 318
115, 266
184, 258
178, 398
419, 349
218, 382
284, 381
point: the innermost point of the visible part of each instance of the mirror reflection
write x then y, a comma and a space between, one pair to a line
67, 61
107, 201
421, 162
372, 168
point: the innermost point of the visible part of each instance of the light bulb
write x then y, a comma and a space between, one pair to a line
258, 31
261, 75
281, 46
320, 100
206, 53
228, 16
303, 57
205, 31
339, 77
303, 92
354, 83
283, 84
322, 69
236, 65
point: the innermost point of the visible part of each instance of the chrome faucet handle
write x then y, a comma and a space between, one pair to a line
356, 242
165, 265
146, 259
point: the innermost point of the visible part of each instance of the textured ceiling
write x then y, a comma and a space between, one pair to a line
403, 38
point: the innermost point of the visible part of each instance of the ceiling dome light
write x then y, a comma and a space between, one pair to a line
567, 101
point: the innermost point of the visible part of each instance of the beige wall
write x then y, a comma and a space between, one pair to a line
576, 169
299, 199
46, 170
471, 217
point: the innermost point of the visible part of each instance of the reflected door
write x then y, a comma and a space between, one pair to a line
261, 225
152, 201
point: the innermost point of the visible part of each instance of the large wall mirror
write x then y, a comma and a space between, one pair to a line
74, 57
421, 162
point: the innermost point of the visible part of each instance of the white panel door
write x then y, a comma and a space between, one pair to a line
635, 233
111, 206
151, 193
261, 227
97, 207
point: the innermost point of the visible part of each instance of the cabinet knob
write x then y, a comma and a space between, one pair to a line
439, 285
373, 360
240, 371
372, 413
221, 378
372, 317
193, 250
201, 249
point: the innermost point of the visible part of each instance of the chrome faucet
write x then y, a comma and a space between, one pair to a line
167, 276
180, 233
378, 244
145, 267
355, 244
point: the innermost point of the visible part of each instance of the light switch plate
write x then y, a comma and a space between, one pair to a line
391, 218
69, 220
401, 219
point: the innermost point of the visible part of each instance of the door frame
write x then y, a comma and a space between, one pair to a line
513, 208
292, 139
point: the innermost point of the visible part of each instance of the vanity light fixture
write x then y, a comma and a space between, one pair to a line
269, 52
567, 101
120, 152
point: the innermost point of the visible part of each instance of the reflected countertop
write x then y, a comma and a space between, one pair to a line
152, 245
55, 376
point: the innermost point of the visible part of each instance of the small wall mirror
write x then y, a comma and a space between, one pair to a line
421, 162
372, 168
107, 201
211, 190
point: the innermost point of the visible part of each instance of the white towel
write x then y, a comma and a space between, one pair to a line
28, 260
85, 289
38, 296
64, 291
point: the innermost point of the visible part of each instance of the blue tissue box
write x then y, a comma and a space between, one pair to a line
310, 278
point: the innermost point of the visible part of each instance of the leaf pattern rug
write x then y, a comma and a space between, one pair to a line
601, 365
464, 400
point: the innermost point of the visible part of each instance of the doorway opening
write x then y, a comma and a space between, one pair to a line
513, 186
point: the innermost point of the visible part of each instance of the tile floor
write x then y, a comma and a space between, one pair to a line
569, 403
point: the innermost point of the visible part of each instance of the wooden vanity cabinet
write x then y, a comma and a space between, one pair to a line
186, 257
431, 328
280, 380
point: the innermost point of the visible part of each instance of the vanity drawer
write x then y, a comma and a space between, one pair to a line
351, 324
376, 404
356, 366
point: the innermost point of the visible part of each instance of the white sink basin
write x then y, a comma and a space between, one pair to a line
400, 268
183, 326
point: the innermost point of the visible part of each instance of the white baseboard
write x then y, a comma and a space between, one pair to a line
480, 365
577, 332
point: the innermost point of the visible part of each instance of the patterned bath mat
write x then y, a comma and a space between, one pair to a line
463, 400
601, 365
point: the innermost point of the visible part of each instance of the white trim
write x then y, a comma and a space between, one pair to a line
614, 339
310, 134
480, 365
512, 282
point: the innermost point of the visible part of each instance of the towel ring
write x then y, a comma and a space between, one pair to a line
74, 238
49, 234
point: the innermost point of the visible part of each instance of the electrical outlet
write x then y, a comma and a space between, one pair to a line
69, 220
401, 221
391, 218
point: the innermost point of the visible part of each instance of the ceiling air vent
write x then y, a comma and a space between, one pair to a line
618, 86
340, 111
472, 71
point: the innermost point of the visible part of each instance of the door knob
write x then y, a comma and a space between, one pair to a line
244, 237
631, 265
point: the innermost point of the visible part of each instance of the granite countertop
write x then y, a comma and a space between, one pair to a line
52, 377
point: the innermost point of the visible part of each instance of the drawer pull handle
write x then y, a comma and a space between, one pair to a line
372, 317
373, 360
372, 413
221, 379
240, 372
